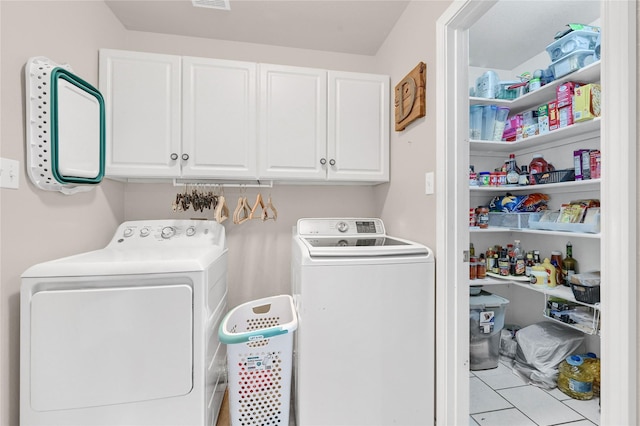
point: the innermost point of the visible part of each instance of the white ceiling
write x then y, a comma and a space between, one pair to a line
347, 26
491, 40
355, 26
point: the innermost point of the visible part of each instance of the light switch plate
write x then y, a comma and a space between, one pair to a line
9, 173
429, 184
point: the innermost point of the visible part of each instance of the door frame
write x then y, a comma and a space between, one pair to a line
618, 196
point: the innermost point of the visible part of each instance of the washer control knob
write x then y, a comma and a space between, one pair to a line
191, 231
168, 232
343, 226
342, 243
128, 232
144, 232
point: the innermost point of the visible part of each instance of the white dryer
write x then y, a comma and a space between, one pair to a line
364, 349
127, 335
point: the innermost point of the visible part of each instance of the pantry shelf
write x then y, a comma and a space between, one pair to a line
590, 73
558, 137
582, 185
475, 229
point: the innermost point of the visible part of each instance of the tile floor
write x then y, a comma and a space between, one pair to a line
499, 397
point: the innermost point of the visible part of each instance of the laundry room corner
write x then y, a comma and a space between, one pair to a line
405, 207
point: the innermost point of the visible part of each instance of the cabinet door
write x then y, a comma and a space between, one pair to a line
219, 119
293, 122
142, 97
358, 127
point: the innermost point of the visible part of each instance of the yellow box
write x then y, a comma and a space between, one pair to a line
586, 102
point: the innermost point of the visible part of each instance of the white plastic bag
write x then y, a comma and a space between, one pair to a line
541, 347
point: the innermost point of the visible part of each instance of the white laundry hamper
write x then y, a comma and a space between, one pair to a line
259, 338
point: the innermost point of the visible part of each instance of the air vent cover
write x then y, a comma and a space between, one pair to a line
212, 4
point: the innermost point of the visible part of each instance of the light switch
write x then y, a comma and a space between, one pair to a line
9, 173
429, 184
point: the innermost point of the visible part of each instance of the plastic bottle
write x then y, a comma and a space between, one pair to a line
537, 165
551, 272
513, 171
556, 260
574, 379
592, 365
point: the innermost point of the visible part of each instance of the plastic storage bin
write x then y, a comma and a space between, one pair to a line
572, 62
575, 40
259, 338
509, 220
486, 321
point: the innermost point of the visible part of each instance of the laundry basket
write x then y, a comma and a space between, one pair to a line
259, 338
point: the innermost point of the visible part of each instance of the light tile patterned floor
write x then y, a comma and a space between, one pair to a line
499, 397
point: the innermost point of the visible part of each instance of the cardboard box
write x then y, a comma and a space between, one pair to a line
565, 92
513, 128
529, 124
543, 119
578, 163
552, 109
586, 102
565, 116
594, 163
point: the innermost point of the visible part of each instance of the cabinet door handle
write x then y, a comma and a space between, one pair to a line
185, 157
332, 162
174, 156
323, 161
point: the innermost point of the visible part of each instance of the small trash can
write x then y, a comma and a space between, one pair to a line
486, 320
259, 339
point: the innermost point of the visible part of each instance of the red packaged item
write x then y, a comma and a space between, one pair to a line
565, 92
594, 163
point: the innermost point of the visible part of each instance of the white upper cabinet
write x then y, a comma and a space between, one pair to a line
358, 127
293, 122
219, 118
142, 97
318, 125
186, 117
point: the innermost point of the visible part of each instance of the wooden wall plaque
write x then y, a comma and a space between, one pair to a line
410, 97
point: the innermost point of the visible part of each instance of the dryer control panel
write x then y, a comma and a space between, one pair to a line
151, 233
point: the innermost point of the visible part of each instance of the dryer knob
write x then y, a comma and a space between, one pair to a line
128, 232
168, 232
191, 231
144, 232
343, 226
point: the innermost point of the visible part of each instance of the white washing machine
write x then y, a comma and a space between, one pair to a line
364, 349
127, 335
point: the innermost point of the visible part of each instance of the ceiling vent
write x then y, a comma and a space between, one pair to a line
212, 4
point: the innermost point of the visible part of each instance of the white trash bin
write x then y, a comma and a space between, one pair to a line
259, 339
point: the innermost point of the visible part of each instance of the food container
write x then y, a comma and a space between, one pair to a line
487, 85
488, 122
501, 118
475, 121
572, 62
575, 40
504, 91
